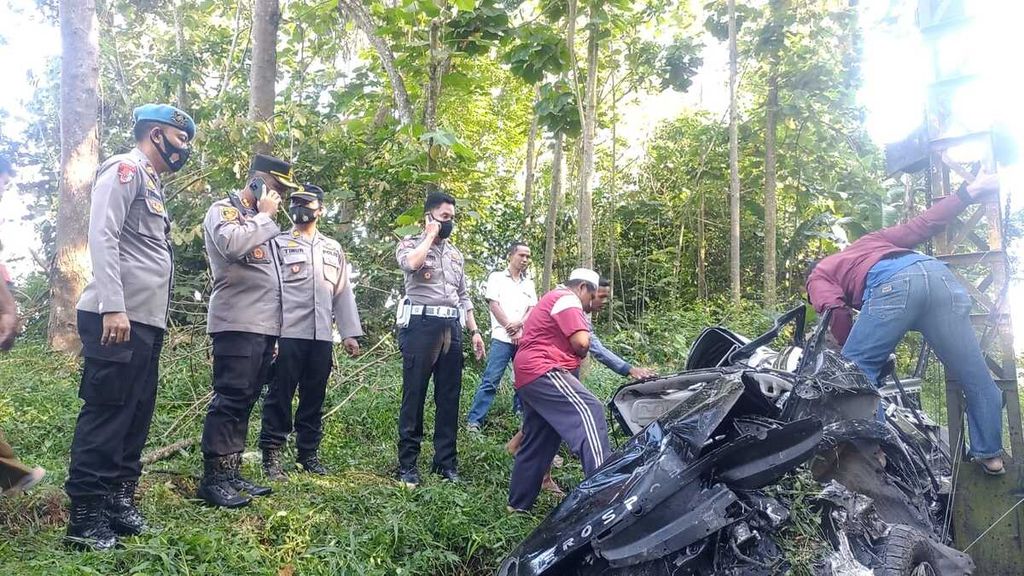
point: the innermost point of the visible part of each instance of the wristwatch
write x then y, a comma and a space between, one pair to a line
474, 332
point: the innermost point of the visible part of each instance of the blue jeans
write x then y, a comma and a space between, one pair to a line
497, 360
926, 297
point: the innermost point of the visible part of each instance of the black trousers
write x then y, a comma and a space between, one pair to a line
430, 346
241, 361
119, 389
304, 365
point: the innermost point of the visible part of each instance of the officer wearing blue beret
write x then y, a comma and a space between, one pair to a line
122, 315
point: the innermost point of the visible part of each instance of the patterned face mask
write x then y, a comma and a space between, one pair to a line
302, 214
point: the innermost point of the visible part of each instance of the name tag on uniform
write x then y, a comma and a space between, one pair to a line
332, 257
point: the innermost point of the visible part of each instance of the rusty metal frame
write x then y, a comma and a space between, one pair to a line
973, 246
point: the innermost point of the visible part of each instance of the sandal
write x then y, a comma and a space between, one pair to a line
992, 470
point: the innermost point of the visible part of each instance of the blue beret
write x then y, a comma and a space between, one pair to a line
166, 114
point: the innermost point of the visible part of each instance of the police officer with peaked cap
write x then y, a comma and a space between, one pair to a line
244, 321
430, 337
315, 293
122, 315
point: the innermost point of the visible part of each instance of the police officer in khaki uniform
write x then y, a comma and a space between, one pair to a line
244, 321
315, 293
122, 315
430, 337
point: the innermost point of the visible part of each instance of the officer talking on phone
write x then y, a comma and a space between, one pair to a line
430, 319
244, 321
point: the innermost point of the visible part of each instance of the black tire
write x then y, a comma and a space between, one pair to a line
909, 552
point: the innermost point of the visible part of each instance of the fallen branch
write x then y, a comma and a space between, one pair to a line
195, 407
361, 385
168, 451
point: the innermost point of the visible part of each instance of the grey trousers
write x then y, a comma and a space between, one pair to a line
556, 408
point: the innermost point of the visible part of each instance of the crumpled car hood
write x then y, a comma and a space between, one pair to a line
634, 508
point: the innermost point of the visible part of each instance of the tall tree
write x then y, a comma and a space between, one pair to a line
586, 216
266, 17
552, 220
440, 60
734, 164
180, 45
613, 182
775, 39
79, 152
531, 153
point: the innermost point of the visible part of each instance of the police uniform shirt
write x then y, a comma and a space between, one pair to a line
315, 288
246, 285
441, 281
129, 242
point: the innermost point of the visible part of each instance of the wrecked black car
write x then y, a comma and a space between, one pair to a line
693, 489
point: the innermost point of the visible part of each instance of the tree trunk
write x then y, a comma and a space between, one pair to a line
702, 278
179, 37
266, 16
586, 217
734, 164
549, 225
531, 148
612, 189
438, 67
79, 152
356, 10
770, 207
439, 61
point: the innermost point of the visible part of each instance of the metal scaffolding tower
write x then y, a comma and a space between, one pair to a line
950, 150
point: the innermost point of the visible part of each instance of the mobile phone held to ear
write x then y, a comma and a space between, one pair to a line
258, 186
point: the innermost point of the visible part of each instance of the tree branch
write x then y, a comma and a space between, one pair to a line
357, 11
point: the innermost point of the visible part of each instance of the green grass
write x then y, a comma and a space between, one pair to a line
356, 521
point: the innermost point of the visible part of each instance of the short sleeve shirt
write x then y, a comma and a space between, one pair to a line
514, 297
545, 343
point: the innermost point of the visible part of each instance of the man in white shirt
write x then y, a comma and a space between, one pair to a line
510, 296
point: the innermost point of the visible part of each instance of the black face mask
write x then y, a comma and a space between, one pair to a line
446, 229
302, 214
168, 150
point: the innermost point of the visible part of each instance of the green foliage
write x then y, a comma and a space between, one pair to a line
474, 31
355, 521
679, 63
663, 336
538, 51
557, 109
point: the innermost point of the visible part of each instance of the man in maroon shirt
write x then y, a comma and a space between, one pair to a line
556, 407
897, 290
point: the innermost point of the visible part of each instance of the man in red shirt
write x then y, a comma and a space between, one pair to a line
897, 290
556, 407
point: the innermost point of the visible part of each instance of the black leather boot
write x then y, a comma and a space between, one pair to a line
124, 517
215, 487
241, 484
311, 463
88, 527
272, 465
